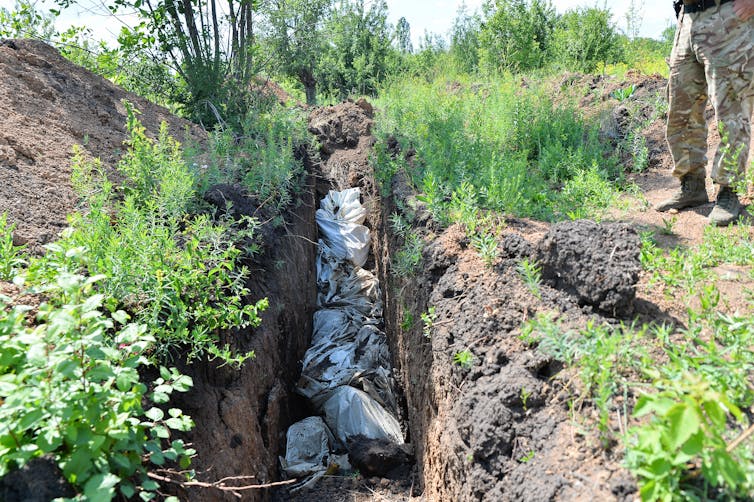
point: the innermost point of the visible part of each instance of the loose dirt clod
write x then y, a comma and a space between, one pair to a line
598, 264
378, 457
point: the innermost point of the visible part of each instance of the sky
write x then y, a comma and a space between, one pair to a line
423, 15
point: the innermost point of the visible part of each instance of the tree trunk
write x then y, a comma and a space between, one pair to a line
311, 94
306, 77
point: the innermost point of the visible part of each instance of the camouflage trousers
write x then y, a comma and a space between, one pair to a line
712, 58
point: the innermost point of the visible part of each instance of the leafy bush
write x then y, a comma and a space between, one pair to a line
69, 387
180, 275
515, 34
585, 38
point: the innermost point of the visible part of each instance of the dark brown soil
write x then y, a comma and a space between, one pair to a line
38, 481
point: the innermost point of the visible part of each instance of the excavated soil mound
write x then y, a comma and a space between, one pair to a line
499, 427
598, 264
47, 105
38, 481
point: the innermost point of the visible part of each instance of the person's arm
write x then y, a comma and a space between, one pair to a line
744, 8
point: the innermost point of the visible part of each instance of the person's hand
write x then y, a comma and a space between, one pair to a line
744, 8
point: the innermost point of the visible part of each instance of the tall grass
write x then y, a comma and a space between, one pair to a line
522, 153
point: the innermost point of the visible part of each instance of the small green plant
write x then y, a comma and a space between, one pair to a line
428, 319
408, 321
528, 457
408, 257
524, 396
399, 225
464, 359
11, 256
486, 245
668, 225
531, 274
623, 93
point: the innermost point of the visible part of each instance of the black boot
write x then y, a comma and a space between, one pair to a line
727, 208
692, 193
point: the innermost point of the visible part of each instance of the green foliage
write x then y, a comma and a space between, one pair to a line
428, 320
515, 34
464, 359
409, 256
583, 39
261, 156
688, 422
623, 93
211, 48
464, 40
493, 145
11, 256
295, 41
26, 21
486, 245
531, 274
179, 275
70, 388
359, 54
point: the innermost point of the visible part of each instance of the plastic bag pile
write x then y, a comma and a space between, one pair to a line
346, 372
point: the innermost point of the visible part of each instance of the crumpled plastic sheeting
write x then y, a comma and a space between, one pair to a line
350, 412
347, 353
346, 372
342, 285
307, 448
340, 219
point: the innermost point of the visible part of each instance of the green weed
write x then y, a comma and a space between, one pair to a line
531, 274
180, 275
11, 256
486, 245
464, 358
623, 93
493, 145
428, 319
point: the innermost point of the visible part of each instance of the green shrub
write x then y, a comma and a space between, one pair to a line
180, 275
11, 256
69, 388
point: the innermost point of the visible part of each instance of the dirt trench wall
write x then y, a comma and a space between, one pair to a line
242, 415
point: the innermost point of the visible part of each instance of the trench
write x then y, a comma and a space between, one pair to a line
499, 429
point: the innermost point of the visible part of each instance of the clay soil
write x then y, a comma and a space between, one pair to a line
499, 429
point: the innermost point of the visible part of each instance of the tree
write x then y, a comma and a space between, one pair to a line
584, 38
359, 53
295, 38
515, 34
464, 40
403, 36
209, 45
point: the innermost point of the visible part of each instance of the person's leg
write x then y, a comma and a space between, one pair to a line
730, 72
686, 129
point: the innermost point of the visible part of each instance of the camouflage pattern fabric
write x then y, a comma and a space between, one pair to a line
712, 58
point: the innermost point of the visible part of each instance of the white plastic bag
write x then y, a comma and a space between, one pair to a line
307, 448
340, 219
350, 412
